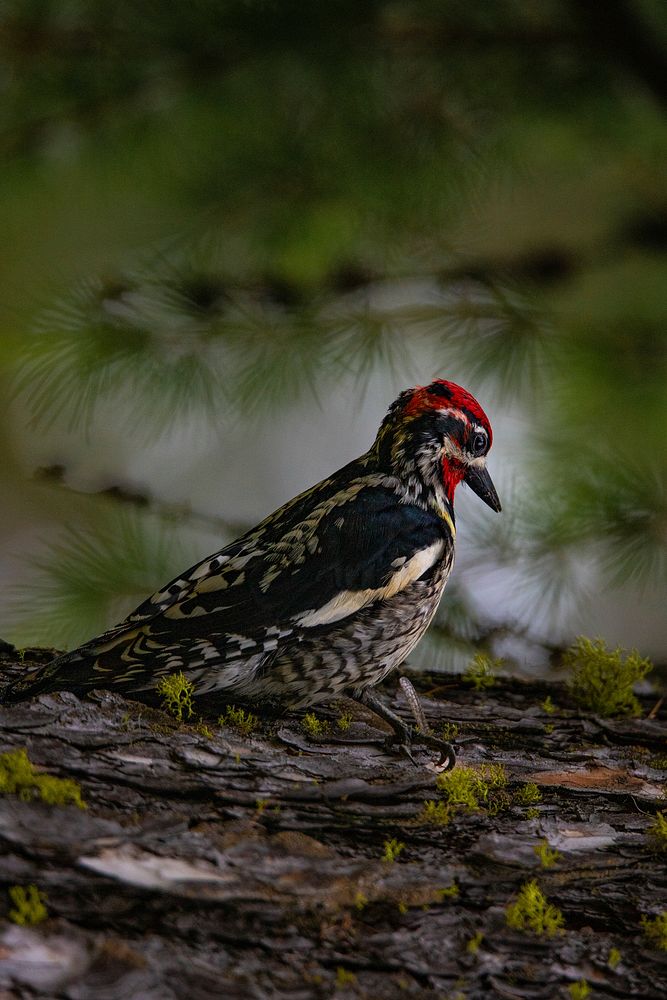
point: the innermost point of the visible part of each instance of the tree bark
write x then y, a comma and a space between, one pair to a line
212, 864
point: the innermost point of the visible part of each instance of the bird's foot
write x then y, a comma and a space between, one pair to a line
404, 737
445, 749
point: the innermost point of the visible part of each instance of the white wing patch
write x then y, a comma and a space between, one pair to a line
348, 601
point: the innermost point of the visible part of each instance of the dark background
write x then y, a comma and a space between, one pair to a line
232, 232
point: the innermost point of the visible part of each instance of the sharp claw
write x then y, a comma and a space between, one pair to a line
447, 752
403, 741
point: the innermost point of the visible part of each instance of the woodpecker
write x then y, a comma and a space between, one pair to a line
326, 596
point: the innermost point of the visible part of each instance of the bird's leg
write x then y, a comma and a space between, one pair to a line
404, 734
402, 731
413, 701
423, 733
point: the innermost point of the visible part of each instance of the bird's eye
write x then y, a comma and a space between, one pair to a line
478, 445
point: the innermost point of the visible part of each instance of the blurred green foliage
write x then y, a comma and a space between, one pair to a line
212, 207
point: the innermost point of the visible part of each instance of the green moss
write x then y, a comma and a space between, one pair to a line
528, 795
657, 832
344, 721
656, 930
19, 777
450, 892
204, 730
315, 728
532, 813
548, 706
449, 731
495, 775
481, 671
360, 901
613, 958
549, 728
176, 692
344, 977
29, 908
435, 813
580, 990
463, 787
548, 856
392, 850
602, 679
467, 788
472, 946
532, 912
499, 801
239, 719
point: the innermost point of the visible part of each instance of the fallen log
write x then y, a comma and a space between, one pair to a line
303, 859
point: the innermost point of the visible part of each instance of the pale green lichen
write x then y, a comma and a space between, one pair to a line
602, 679
28, 908
176, 692
19, 777
532, 912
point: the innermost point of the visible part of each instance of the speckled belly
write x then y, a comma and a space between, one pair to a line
359, 653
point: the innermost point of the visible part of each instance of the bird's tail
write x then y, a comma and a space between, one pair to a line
42, 679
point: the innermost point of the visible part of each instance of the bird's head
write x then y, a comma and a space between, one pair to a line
435, 437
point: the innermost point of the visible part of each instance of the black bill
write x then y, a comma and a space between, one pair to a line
480, 482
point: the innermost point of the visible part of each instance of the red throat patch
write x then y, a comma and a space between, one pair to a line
452, 474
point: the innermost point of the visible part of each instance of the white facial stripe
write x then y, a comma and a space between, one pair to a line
452, 450
347, 602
